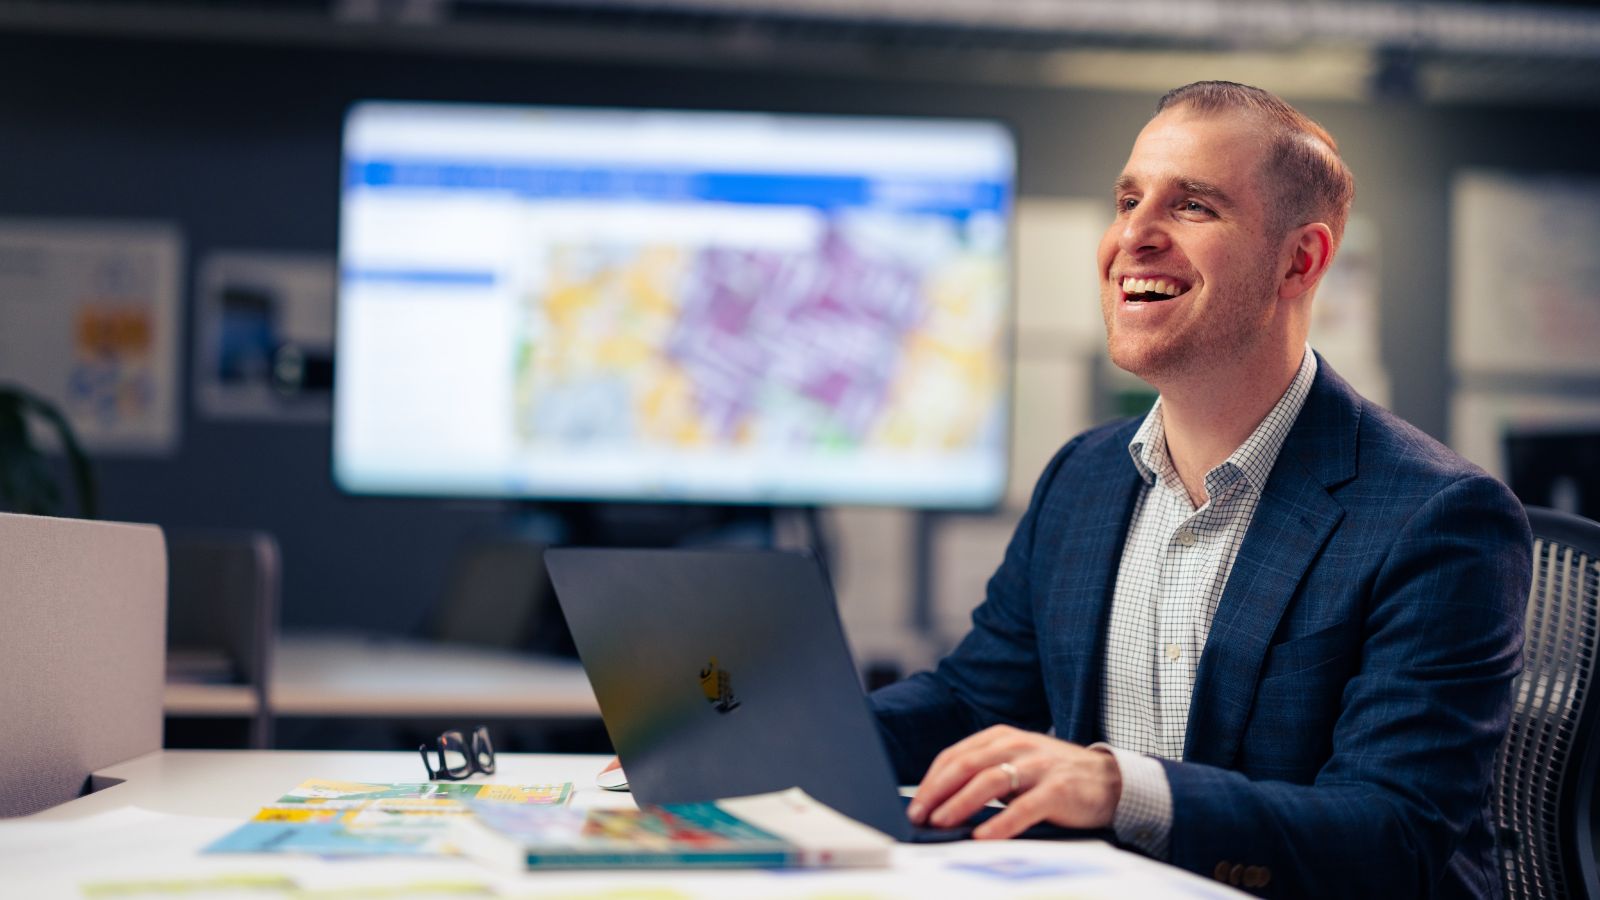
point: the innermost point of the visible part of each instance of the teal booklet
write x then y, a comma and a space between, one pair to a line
782, 829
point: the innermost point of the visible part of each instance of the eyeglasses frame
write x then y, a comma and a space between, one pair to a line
474, 753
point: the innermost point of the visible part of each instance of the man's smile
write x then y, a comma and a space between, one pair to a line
1152, 289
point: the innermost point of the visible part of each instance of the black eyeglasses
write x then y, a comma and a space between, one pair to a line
457, 758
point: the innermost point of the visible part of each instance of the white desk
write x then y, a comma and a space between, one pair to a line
380, 677
171, 803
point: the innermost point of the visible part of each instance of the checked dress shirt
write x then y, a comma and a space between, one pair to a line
1175, 564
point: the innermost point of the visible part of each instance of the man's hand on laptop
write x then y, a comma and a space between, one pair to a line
1041, 778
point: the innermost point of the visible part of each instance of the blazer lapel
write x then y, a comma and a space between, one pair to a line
1293, 521
1075, 616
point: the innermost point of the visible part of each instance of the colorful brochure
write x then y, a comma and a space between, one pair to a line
337, 818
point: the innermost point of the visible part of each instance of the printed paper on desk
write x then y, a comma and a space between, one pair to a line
346, 818
331, 793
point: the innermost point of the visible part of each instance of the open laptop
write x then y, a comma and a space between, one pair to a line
722, 673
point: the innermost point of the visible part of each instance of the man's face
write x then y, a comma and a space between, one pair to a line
1189, 276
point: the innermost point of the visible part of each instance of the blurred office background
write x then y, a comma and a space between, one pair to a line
1468, 298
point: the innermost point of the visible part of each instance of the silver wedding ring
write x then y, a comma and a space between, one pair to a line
1011, 773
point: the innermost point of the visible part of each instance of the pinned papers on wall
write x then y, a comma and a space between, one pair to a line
264, 336
1525, 328
89, 319
1525, 281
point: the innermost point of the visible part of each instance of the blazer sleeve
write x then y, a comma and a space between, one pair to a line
1417, 730
992, 677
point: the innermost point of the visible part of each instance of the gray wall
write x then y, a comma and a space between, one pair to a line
239, 145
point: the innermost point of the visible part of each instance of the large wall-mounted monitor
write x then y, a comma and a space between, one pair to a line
608, 304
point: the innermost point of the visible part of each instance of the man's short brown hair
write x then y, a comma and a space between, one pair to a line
1303, 166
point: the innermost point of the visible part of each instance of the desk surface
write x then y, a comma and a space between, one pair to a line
171, 803
235, 783
367, 676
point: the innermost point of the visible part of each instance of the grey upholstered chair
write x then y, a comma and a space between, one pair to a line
1545, 773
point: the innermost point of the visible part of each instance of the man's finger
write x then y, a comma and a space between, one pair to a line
991, 783
950, 775
1023, 812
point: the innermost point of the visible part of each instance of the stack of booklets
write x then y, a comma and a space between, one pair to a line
782, 829
344, 818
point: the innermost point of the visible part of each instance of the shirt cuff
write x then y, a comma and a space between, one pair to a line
1143, 818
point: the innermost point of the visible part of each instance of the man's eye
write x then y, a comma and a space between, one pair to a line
1195, 206
1126, 204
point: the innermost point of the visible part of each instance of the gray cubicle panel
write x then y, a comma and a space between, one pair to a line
81, 652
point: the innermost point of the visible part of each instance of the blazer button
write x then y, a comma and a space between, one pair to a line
1220, 873
1255, 877
1236, 874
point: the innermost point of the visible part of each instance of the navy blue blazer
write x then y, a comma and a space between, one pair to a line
1356, 681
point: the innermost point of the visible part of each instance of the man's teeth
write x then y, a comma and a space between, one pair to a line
1150, 286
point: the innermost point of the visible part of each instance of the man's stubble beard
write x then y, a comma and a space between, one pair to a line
1202, 344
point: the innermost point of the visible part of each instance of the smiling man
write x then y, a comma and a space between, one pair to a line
1267, 632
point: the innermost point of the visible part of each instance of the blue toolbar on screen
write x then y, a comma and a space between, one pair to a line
608, 304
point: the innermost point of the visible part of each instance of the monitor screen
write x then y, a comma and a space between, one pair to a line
611, 304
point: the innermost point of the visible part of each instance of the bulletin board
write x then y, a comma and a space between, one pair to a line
1525, 278
89, 320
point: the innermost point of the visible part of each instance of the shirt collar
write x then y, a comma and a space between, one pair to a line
1253, 459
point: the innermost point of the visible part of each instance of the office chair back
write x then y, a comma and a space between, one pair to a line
83, 606
1545, 775
499, 596
223, 606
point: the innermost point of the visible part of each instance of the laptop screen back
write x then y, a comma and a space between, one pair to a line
722, 673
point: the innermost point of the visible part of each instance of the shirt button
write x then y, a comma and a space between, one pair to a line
1186, 537
1174, 652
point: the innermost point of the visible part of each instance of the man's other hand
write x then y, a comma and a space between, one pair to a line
1041, 778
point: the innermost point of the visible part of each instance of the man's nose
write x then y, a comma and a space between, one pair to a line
1143, 231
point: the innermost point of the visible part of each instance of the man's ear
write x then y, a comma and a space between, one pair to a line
1310, 251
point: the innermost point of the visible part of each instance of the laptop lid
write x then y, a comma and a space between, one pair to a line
721, 673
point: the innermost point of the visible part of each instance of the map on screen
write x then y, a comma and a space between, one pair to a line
633, 304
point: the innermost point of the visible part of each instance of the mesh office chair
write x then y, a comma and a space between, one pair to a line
1545, 772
